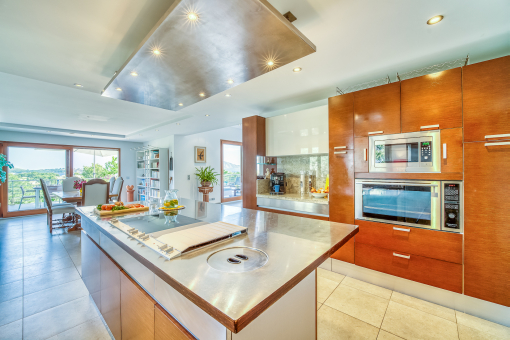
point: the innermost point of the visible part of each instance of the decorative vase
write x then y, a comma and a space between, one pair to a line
205, 184
170, 216
171, 200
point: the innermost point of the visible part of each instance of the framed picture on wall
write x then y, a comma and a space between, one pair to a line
200, 154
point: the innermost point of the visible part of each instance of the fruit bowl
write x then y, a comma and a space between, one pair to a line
317, 195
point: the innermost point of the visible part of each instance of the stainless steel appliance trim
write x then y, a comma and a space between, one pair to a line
402, 256
461, 203
444, 150
340, 147
429, 126
365, 155
402, 229
339, 152
375, 132
496, 144
497, 136
384, 182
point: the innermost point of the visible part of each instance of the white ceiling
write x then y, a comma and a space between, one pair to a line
48, 45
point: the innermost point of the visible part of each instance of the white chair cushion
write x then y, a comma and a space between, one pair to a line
112, 183
62, 209
117, 186
95, 194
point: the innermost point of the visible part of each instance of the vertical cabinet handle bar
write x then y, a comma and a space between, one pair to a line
496, 144
444, 150
506, 135
402, 229
339, 152
402, 256
429, 126
365, 155
340, 147
375, 132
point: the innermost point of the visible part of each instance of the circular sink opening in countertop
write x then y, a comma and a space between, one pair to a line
237, 259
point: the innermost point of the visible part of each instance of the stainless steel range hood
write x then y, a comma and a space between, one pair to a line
201, 48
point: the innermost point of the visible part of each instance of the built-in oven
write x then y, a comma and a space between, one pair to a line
426, 204
405, 152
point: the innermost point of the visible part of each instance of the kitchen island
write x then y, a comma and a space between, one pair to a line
305, 204
274, 300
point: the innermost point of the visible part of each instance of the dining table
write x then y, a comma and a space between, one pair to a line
69, 196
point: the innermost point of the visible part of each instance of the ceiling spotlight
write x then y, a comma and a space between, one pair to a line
192, 16
297, 69
177, 123
435, 20
78, 85
156, 51
270, 63
134, 74
118, 89
207, 115
181, 104
141, 135
228, 95
48, 131
230, 81
202, 94
157, 130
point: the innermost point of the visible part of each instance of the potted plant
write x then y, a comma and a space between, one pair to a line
207, 176
4, 163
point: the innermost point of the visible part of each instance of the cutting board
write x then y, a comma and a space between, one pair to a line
109, 212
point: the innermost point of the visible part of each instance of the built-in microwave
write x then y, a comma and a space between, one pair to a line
426, 204
405, 152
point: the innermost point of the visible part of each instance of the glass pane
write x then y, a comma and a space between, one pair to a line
410, 204
95, 163
31, 164
231, 171
396, 153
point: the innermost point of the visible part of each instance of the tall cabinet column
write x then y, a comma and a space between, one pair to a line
254, 144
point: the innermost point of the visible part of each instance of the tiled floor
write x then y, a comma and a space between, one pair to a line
353, 309
238, 204
42, 295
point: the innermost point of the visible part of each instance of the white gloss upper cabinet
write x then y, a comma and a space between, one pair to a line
299, 133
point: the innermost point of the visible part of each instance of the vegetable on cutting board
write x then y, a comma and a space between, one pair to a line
118, 206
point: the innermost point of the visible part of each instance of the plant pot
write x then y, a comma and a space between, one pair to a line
206, 184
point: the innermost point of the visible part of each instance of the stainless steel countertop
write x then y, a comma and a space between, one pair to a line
295, 246
296, 197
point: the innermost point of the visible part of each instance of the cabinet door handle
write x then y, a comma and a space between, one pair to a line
402, 229
506, 135
444, 150
340, 147
402, 256
339, 152
375, 132
365, 154
496, 144
429, 126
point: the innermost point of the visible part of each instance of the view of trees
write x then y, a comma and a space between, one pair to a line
111, 168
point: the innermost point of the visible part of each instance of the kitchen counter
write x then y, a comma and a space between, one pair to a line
295, 203
296, 197
295, 248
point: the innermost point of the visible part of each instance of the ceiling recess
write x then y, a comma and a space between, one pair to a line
230, 39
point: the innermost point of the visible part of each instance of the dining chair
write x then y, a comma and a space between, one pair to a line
68, 183
95, 192
23, 196
112, 184
62, 208
117, 188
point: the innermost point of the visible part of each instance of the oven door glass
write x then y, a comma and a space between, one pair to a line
398, 203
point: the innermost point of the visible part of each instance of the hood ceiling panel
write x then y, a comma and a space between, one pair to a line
231, 40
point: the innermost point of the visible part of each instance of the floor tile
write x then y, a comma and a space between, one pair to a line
58, 319
12, 275
410, 323
359, 304
383, 335
76, 259
51, 279
7, 264
319, 305
46, 267
496, 331
11, 311
367, 287
11, 291
52, 297
424, 306
92, 329
44, 257
334, 325
12, 331
43, 248
330, 275
324, 288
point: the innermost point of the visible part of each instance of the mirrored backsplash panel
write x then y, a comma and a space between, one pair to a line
316, 165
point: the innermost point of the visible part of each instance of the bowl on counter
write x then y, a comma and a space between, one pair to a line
317, 195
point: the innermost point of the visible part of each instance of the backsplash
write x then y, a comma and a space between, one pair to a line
292, 166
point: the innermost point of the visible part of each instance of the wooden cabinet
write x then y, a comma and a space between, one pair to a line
451, 142
341, 186
433, 101
340, 120
165, 326
486, 225
429, 243
377, 110
254, 144
361, 154
346, 252
137, 310
110, 294
442, 274
486, 96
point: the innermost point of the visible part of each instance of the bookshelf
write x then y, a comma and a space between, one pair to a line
151, 173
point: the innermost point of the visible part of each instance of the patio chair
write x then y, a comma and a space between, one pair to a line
117, 188
62, 208
23, 196
95, 192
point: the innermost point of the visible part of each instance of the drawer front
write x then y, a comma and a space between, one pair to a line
434, 244
441, 274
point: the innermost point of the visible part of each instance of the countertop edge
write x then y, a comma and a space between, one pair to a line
233, 325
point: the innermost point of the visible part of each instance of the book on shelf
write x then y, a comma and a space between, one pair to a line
154, 174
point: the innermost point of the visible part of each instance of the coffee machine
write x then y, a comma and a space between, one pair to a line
277, 179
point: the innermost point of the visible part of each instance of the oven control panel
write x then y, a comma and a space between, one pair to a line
426, 152
451, 206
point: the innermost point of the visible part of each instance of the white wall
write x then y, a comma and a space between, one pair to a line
127, 156
183, 148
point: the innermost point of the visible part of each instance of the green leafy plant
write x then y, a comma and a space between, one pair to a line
4, 163
207, 174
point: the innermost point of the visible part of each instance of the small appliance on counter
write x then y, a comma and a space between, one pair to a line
277, 183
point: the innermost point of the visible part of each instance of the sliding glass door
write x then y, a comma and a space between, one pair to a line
231, 181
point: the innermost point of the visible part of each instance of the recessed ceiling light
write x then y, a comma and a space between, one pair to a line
297, 69
228, 95
207, 115
177, 123
48, 131
192, 16
156, 51
118, 89
202, 94
270, 63
157, 130
230, 81
435, 20
181, 104
134, 74
141, 135
78, 85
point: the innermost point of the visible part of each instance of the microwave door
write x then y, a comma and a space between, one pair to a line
395, 155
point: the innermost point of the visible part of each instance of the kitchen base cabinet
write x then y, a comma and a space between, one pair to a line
346, 252
91, 268
441, 274
486, 221
110, 295
165, 326
137, 310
